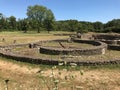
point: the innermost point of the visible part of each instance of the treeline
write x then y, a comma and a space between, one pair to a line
12, 24
41, 18
84, 26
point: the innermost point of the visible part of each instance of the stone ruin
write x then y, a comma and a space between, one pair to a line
101, 43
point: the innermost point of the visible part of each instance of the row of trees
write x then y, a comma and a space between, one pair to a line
82, 26
41, 18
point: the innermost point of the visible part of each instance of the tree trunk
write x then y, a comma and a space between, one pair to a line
38, 30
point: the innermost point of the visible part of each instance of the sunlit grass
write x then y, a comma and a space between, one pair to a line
20, 37
70, 45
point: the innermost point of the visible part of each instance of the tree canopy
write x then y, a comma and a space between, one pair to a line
39, 15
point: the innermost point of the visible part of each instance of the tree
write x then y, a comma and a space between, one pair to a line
3, 21
23, 24
49, 21
39, 14
73, 25
98, 26
113, 26
83, 27
1, 15
12, 22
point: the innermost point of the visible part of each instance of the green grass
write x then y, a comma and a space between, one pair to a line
68, 45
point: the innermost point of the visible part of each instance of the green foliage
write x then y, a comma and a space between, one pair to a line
74, 26
49, 21
41, 18
12, 22
40, 15
3, 22
98, 26
113, 26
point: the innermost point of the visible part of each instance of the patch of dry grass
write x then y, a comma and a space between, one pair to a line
24, 77
20, 37
70, 45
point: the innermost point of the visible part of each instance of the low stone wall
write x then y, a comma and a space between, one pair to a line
29, 59
35, 60
114, 47
110, 41
113, 40
107, 36
48, 61
118, 42
98, 49
93, 42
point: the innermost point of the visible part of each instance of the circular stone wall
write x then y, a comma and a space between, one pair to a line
106, 36
113, 40
43, 60
99, 48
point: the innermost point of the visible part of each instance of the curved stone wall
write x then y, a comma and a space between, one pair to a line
114, 47
109, 41
48, 61
106, 36
98, 49
113, 40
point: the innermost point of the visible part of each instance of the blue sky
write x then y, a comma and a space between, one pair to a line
82, 10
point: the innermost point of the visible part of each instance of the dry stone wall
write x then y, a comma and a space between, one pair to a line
98, 49
106, 36
114, 47
48, 61
113, 40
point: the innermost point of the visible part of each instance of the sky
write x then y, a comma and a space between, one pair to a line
81, 10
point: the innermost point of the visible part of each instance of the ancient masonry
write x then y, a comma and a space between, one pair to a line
101, 42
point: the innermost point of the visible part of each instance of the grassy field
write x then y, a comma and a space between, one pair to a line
71, 45
24, 76
7, 38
